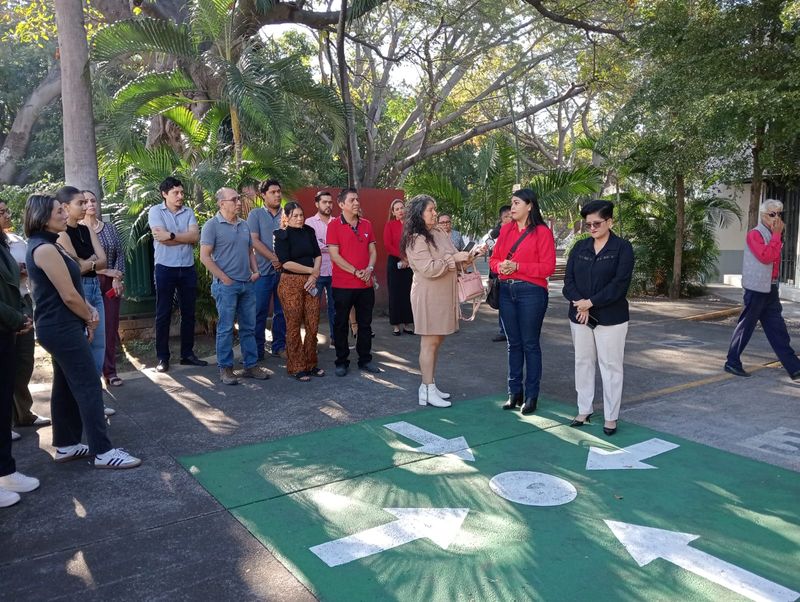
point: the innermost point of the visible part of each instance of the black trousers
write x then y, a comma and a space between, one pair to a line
26, 345
363, 299
8, 362
76, 401
399, 283
184, 281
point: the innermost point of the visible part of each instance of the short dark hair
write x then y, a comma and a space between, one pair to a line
267, 183
503, 209
38, 209
321, 194
343, 194
168, 184
288, 209
604, 208
66, 193
92, 192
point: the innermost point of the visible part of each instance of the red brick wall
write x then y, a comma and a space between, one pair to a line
375, 207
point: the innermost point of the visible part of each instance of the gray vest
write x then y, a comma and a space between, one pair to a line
757, 276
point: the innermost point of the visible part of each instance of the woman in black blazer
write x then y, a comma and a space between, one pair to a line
596, 282
13, 322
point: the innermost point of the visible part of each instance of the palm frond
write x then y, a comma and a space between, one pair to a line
136, 36
559, 190
209, 18
194, 129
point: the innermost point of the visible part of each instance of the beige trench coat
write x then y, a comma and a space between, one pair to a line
434, 292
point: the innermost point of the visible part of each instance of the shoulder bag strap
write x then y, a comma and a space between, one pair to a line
519, 242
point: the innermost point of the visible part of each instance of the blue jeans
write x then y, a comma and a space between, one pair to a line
93, 296
522, 309
236, 302
184, 281
325, 283
266, 290
767, 309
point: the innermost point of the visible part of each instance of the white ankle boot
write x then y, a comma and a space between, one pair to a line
429, 396
441, 394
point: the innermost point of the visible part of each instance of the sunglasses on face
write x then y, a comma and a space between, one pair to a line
593, 225
775, 214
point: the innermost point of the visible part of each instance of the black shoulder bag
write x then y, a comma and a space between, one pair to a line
493, 284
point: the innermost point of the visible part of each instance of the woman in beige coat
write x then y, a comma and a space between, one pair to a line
434, 292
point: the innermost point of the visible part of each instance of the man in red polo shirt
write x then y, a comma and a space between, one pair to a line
351, 244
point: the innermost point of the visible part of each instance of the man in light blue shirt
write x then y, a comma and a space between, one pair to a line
226, 250
263, 222
175, 232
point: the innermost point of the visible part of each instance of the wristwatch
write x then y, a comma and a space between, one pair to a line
172, 236
94, 263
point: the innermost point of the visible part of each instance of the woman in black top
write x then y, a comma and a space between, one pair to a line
82, 244
598, 275
298, 251
13, 322
65, 325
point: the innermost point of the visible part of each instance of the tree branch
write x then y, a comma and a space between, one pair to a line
564, 20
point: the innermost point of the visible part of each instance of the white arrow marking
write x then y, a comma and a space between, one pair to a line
646, 544
440, 525
628, 457
433, 444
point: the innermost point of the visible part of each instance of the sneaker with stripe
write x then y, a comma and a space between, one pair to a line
116, 458
73, 452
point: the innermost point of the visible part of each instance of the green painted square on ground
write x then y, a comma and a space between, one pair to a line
297, 493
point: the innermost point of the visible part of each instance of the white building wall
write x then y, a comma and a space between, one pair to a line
731, 239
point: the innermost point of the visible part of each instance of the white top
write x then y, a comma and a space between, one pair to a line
19, 248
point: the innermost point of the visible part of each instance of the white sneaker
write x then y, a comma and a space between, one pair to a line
15, 436
116, 458
428, 396
109, 411
73, 452
441, 394
8, 498
18, 482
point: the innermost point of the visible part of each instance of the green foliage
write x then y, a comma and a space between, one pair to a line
15, 196
649, 223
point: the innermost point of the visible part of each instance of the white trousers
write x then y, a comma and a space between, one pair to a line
604, 345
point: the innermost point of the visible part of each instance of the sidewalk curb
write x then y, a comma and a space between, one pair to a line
711, 315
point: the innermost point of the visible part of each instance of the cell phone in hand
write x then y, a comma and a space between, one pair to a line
470, 246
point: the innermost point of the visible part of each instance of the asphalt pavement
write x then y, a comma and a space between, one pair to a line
154, 533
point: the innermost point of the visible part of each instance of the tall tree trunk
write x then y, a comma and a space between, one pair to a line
16, 143
758, 177
80, 148
347, 101
680, 225
236, 129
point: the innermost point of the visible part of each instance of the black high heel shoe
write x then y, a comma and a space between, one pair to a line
578, 423
609, 431
514, 401
529, 407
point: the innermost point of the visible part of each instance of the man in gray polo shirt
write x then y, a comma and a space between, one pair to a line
226, 250
175, 233
263, 222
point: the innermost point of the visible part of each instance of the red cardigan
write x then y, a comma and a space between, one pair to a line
536, 255
392, 232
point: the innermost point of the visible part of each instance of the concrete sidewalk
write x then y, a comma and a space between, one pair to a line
154, 533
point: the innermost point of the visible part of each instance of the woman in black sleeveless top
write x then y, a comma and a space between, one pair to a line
65, 325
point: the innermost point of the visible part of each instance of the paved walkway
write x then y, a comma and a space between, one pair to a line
154, 533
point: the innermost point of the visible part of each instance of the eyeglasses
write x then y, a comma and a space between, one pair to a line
5, 212
446, 222
232, 199
775, 213
593, 225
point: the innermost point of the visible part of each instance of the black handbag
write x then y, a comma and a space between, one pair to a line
493, 283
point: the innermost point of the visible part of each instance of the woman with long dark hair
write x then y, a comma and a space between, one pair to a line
524, 257
111, 283
65, 326
398, 275
434, 292
298, 251
599, 272
13, 322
